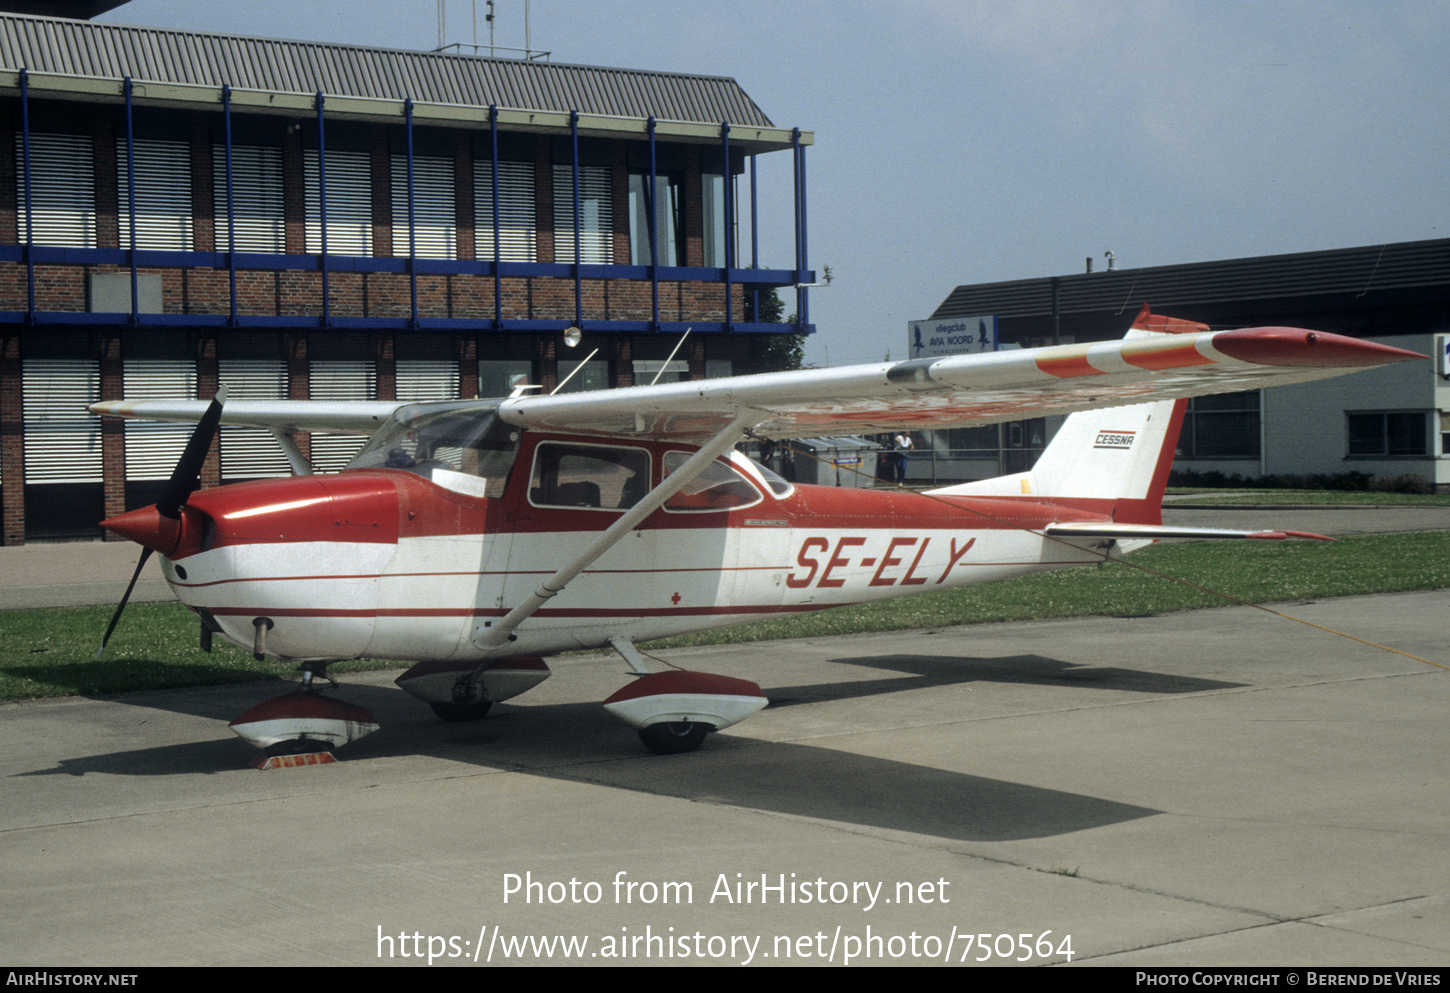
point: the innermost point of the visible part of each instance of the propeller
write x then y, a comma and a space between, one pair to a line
182, 483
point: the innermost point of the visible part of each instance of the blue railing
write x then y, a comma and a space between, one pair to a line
751, 279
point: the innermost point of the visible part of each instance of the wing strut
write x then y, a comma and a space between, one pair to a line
497, 634
287, 441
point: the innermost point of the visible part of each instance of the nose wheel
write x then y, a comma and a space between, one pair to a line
674, 737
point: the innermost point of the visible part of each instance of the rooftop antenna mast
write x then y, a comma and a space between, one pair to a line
490, 17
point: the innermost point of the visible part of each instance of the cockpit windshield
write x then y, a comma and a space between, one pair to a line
461, 445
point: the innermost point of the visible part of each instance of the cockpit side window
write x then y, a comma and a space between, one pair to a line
719, 487
592, 477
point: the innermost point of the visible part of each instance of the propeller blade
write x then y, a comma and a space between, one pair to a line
183, 477
173, 497
116, 617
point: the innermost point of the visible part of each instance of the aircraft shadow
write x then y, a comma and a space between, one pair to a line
1027, 670
579, 742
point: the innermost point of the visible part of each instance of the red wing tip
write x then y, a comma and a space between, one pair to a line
1281, 535
1300, 347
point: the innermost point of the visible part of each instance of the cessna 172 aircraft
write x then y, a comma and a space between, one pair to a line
476, 537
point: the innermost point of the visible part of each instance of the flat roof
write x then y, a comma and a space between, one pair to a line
1411, 271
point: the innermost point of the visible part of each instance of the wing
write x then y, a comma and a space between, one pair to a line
922, 394
284, 416
961, 390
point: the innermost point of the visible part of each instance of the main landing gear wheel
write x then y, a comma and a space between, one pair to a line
674, 737
454, 713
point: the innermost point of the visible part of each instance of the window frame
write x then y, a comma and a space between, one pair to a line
1188, 447
583, 448
1384, 452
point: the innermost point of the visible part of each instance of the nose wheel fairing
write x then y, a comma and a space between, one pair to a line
302, 722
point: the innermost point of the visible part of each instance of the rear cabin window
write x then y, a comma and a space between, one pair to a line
719, 487
592, 477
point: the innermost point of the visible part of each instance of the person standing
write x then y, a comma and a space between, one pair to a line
901, 447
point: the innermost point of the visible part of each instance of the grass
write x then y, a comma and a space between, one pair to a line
52, 652
1256, 571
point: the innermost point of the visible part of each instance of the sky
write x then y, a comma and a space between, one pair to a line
961, 142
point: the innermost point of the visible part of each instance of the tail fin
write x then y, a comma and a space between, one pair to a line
1112, 461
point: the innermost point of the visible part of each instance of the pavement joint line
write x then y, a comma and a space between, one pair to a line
1309, 921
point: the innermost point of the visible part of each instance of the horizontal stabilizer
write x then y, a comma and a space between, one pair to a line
1094, 529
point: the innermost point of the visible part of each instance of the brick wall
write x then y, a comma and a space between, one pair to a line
12, 443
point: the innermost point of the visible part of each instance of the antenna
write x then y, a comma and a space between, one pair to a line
572, 337
666, 362
490, 18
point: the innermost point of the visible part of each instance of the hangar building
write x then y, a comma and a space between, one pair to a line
1391, 421
299, 220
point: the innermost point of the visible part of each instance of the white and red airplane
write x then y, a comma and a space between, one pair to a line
476, 537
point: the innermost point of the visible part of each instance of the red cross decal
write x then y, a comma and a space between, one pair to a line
675, 599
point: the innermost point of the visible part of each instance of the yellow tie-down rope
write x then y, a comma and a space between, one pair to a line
1129, 563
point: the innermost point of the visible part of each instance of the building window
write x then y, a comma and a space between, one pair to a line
581, 377
1221, 427
59, 376
257, 199
516, 235
1386, 434
505, 362
649, 371
969, 443
500, 377
62, 190
435, 230
151, 371
664, 200
340, 367
163, 194
716, 224
349, 204
596, 216
426, 369
251, 367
